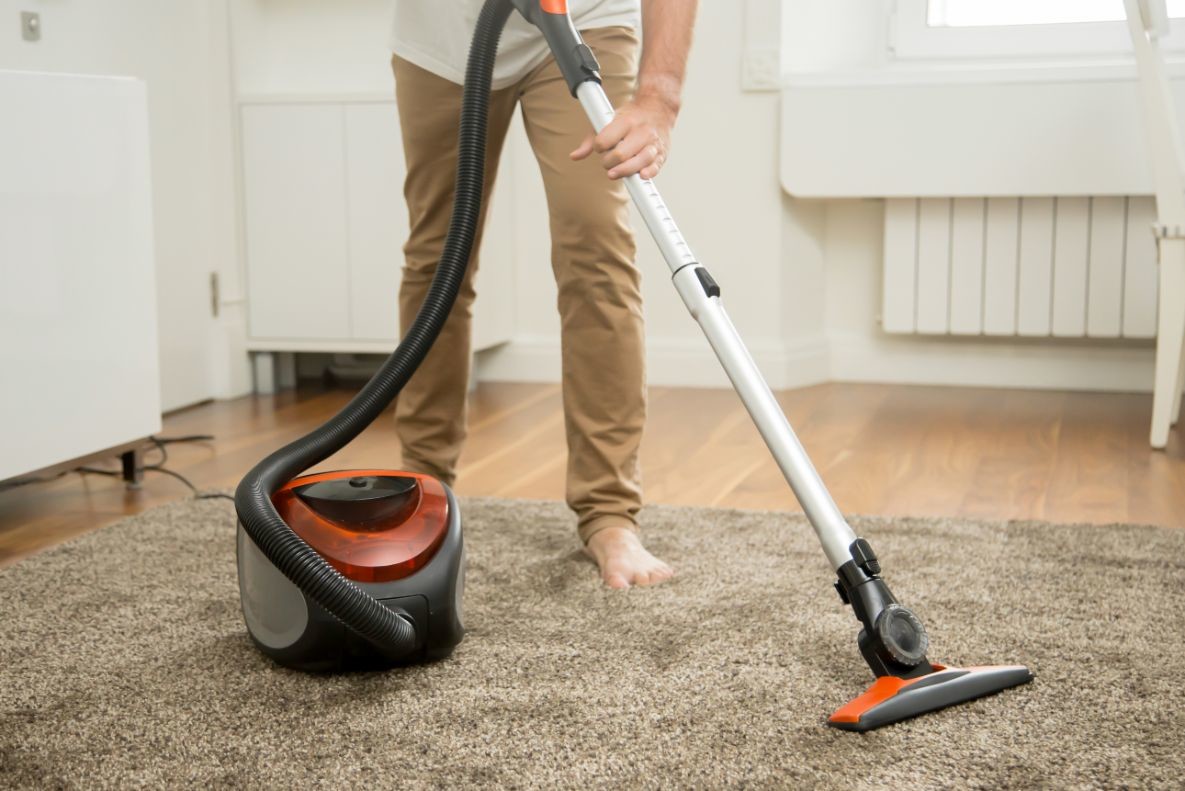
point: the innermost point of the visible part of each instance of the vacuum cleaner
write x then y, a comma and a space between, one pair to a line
364, 568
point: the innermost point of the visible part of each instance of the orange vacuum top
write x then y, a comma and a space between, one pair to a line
371, 525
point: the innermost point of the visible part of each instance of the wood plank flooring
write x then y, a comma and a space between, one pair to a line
882, 449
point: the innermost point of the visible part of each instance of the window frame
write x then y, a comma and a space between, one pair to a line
911, 38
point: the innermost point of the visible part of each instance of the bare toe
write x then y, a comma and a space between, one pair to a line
624, 561
616, 581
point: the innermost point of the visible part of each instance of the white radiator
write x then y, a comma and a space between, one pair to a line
1035, 267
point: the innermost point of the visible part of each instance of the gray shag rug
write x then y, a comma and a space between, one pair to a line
124, 663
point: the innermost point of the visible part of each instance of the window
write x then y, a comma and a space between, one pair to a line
1031, 29
998, 13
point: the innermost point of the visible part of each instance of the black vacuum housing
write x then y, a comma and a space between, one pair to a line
395, 535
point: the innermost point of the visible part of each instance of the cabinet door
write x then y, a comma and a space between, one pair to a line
295, 203
378, 218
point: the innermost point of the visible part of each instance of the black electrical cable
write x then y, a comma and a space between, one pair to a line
17, 483
185, 438
198, 494
287, 551
158, 443
97, 471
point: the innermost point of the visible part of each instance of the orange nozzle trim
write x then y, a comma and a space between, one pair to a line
554, 6
881, 690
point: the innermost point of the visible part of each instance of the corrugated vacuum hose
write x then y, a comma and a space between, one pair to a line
288, 552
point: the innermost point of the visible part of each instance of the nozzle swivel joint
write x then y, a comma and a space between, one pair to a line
893, 640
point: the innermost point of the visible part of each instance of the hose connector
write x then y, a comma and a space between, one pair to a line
576, 61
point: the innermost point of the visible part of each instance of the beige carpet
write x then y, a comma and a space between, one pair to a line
124, 662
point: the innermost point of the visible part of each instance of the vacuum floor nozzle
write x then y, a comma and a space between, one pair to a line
892, 699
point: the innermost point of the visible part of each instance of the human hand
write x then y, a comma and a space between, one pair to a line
637, 140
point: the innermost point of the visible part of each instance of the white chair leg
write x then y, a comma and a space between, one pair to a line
1170, 339
264, 364
1175, 416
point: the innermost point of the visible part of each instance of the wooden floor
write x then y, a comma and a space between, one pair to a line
889, 450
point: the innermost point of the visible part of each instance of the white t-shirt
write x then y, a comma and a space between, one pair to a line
435, 34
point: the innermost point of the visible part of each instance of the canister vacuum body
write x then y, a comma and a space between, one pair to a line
395, 535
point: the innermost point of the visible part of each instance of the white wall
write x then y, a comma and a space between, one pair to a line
178, 48
311, 46
846, 237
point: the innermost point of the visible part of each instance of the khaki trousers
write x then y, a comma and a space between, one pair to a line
599, 297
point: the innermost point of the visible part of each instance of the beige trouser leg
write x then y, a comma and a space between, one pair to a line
431, 410
599, 301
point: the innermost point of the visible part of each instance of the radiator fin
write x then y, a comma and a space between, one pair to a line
1068, 267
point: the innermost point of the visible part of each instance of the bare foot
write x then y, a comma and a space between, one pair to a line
624, 561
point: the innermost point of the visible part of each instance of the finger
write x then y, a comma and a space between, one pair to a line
613, 133
635, 163
633, 143
584, 149
651, 170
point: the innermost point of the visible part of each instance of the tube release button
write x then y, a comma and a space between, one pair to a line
709, 285
865, 558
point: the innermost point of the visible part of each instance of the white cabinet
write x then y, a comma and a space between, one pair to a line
78, 308
378, 227
325, 223
298, 267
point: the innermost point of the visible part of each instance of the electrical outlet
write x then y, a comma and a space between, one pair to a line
762, 70
30, 26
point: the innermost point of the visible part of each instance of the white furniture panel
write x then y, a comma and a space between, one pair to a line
1039, 267
78, 331
294, 197
377, 219
326, 222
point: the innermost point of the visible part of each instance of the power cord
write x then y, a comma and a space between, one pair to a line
157, 443
197, 493
16, 483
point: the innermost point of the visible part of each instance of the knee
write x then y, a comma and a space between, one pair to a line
593, 252
418, 274
421, 254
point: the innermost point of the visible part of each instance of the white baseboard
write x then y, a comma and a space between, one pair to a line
670, 362
1120, 366
1111, 366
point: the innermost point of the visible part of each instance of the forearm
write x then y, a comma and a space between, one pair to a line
666, 41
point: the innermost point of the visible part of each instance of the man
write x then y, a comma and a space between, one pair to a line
600, 304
